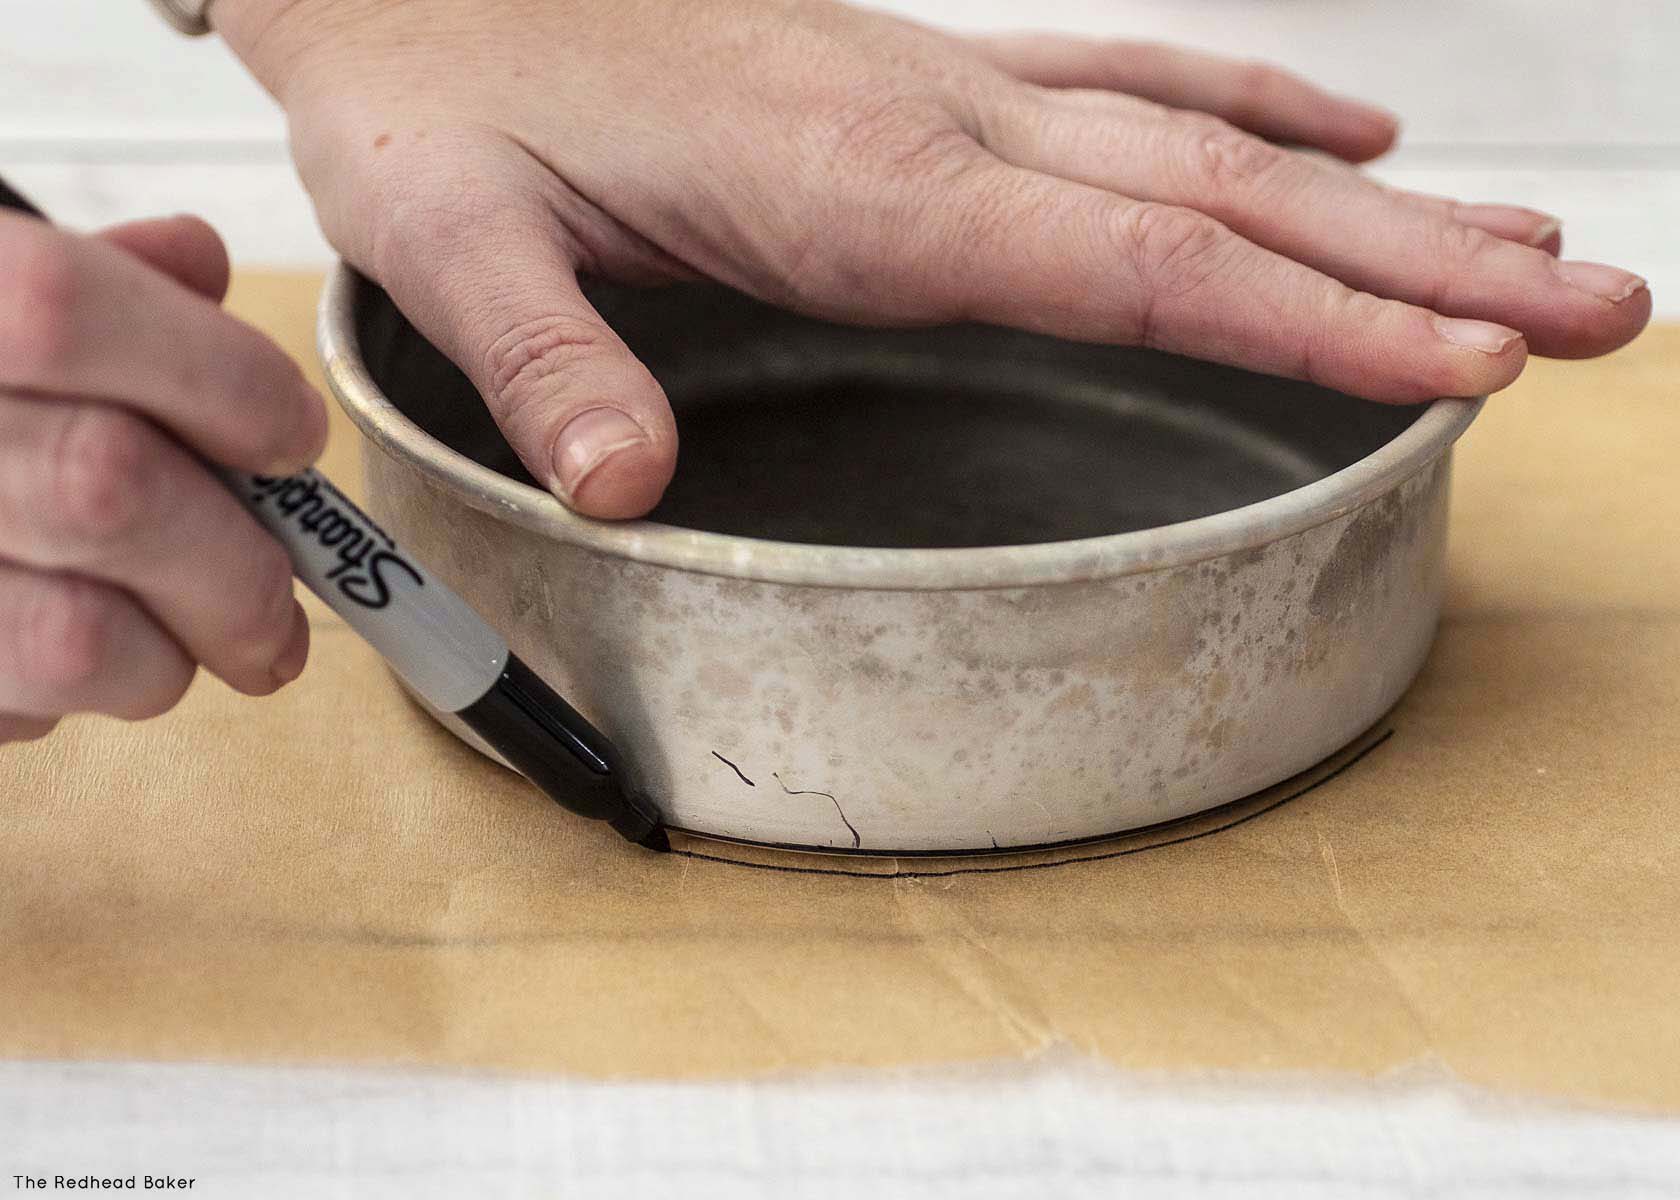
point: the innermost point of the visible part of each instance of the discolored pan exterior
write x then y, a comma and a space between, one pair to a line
937, 590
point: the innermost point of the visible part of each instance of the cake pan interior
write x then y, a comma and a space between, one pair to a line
798, 430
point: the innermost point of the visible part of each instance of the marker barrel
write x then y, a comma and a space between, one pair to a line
431, 637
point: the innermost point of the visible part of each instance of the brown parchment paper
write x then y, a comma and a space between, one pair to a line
1488, 884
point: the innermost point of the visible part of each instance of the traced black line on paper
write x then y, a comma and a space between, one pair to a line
1126, 852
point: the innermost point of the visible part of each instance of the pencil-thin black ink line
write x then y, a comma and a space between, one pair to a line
857, 838
734, 768
1040, 866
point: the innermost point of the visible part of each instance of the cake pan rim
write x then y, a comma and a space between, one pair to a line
1232, 531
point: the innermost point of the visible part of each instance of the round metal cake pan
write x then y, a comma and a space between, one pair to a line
936, 590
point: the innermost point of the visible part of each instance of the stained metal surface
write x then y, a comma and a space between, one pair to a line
935, 590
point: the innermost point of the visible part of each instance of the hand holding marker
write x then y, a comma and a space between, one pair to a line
444, 650
433, 639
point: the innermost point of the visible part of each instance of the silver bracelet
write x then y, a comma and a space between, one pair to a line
188, 16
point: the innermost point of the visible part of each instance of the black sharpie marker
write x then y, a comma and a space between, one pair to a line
437, 643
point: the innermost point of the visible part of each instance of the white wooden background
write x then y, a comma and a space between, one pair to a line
1568, 105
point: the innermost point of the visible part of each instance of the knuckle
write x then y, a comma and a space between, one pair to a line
64, 633
104, 475
889, 198
1175, 250
1223, 160
38, 307
1461, 250
533, 358
1465, 244
1333, 309
897, 135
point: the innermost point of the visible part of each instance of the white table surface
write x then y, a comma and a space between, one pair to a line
1061, 1127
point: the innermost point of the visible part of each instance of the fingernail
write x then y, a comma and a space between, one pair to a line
289, 665
1514, 224
1476, 335
1607, 283
590, 439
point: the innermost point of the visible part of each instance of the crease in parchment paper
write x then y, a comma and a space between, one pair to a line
955, 946
1379, 957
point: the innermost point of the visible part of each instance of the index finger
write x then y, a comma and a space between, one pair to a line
81, 317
